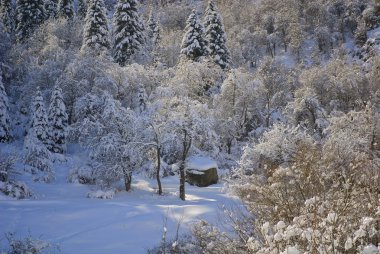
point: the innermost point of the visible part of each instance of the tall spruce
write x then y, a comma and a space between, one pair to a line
7, 16
58, 121
82, 9
51, 8
30, 14
216, 36
66, 9
39, 123
153, 29
193, 44
96, 28
128, 31
5, 126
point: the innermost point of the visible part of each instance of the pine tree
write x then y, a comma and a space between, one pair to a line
30, 14
5, 134
65, 9
216, 36
128, 31
51, 9
193, 43
154, 28
58, 121
96, 28
7, 15
82, 9
39, 122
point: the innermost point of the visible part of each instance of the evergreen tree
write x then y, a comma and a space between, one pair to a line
39, 122
154, 29
128, 31
51, 8
7, 15
193, 43
65, 9
58, 121
5, 134
96, 28
216, 36
30, 14
82, 9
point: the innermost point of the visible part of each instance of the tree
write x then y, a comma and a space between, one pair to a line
82, 9
65, 9
186, 145
96, 28
193, 44
154, 29
5, 128
215, 36
58, 121
39, 123
51, 8
30, 14
128, 31
7, 15
110, 131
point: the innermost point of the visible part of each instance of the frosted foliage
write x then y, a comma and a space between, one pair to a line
82, 8
193, 44
58, 121
37, 158
128, 31
51, 8
65, 9
96, 28
108, 131
30, 14
320, 179
5, 126
215, 36
39, 124
154, 28
7, 15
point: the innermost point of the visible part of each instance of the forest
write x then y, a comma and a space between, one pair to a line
118, 102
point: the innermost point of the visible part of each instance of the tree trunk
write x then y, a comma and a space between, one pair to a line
158, 150
186, 147
127, 180
182, 181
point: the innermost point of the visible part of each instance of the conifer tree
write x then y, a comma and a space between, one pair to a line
39, 122
153, 28
7, 15
30, 14
216, 36
65, 9
193, 43
51, 8
5, 134
58, 121
128, 31
82, 9
96, 28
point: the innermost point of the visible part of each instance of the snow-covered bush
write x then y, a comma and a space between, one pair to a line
27, 245
83, 175
102, 194
8, 185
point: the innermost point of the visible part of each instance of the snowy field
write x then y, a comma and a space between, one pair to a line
130, 223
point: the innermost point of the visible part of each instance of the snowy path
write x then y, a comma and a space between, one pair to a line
129, 223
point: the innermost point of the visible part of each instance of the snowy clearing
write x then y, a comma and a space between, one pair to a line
130, 223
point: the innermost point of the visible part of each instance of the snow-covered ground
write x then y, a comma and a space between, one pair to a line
130, 223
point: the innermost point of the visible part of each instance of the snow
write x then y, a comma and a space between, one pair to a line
131, 222
200, 163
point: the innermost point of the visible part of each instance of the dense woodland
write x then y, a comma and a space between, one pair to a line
284, 95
